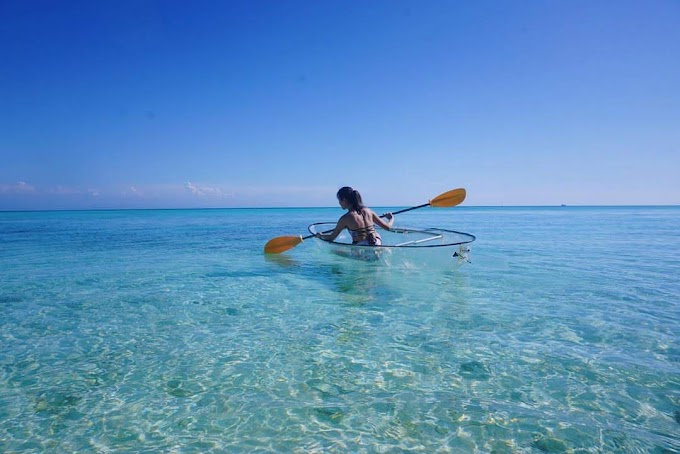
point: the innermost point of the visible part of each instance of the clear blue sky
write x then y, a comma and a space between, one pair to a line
125, 104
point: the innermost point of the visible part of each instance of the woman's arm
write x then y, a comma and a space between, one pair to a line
336, 231
378, 220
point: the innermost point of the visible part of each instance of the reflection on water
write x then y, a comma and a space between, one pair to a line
282, 260
355, 284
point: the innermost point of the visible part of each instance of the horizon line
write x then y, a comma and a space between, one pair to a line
47, 210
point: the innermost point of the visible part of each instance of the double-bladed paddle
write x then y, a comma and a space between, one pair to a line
447, 199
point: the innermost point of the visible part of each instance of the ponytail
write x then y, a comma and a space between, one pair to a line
353, 197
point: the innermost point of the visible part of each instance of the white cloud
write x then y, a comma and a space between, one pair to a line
188, 194
204, 190
73, 191
19, 188
64, 190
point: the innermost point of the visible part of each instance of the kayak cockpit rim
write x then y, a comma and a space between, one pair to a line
446, 237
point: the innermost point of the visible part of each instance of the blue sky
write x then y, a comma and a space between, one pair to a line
155, 104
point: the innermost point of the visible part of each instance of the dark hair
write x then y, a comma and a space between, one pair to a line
352, 196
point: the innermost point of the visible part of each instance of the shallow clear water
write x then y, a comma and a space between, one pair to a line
170, 331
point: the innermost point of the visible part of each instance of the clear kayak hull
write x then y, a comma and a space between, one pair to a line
403, 243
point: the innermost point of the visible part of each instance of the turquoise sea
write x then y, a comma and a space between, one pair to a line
170, 331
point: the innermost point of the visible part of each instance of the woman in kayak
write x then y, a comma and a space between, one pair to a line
359, 220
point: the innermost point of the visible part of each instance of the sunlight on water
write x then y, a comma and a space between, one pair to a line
169, 331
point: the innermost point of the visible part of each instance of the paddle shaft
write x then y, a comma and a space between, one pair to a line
407, 209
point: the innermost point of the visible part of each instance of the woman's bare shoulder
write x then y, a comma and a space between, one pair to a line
349, 219
346, 219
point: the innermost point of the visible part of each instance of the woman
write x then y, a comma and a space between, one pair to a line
359, 220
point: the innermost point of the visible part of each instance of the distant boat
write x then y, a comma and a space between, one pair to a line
563, 205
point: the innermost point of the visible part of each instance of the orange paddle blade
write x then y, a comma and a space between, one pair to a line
281, 244
449, 199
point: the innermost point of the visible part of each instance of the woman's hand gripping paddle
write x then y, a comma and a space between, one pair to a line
447, 199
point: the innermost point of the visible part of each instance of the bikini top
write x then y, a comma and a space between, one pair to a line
363, 233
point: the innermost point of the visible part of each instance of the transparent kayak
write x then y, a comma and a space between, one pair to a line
402, 242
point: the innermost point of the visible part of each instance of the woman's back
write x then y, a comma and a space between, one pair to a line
360, 225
